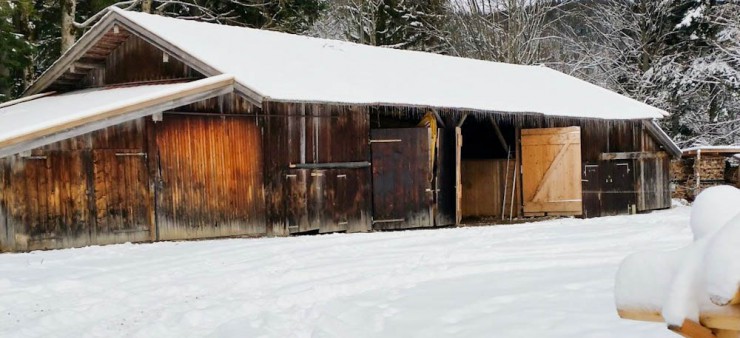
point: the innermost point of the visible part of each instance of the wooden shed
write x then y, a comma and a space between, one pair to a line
154, 128
702, 167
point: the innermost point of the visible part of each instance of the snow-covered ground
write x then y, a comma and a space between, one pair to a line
548, 279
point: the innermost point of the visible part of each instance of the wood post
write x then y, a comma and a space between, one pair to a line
152, 165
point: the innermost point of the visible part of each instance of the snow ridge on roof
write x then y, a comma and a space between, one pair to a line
294, 68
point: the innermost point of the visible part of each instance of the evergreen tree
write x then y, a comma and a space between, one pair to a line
16, 51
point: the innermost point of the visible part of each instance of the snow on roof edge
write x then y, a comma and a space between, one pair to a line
711, 148
95, 113
57, 63
461, 109
661, 111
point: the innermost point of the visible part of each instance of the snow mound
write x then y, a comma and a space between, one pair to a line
701, 277
713, 208
721, 263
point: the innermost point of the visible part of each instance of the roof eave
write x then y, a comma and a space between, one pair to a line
197, 91
73, 54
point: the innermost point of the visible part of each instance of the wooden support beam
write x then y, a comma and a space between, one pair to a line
336, 165
662, 138
87, 65
638, 155
81, 47
499, 134
439, 118
462, 120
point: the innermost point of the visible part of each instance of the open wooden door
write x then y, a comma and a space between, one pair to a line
551, 171
402, 191
446, 178
458, 175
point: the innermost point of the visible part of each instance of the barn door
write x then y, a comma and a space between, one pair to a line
551, 171
122, 198
402, 189
458, 175
446, 178
295, 201
592, 191
618, 186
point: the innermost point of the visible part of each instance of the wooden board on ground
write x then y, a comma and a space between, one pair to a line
551, 171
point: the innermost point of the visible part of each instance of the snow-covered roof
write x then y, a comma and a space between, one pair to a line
35, 120
285, 67
712, 149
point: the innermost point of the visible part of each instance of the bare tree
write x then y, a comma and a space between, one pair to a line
513, 31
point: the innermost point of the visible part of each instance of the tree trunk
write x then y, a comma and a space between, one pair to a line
146, 6
26, 28
68, 8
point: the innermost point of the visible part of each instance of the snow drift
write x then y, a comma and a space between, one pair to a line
702, 277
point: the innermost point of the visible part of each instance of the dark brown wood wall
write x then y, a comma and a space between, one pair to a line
135, 61
402, 190
308, 187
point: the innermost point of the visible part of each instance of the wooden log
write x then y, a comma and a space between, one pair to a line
692, 329
729, 321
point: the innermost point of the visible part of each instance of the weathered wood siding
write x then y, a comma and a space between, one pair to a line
306, 187
653, 185
85, 190
45, 201
135, 61
210, 177
402, 192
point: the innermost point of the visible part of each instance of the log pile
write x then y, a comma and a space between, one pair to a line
712, 170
